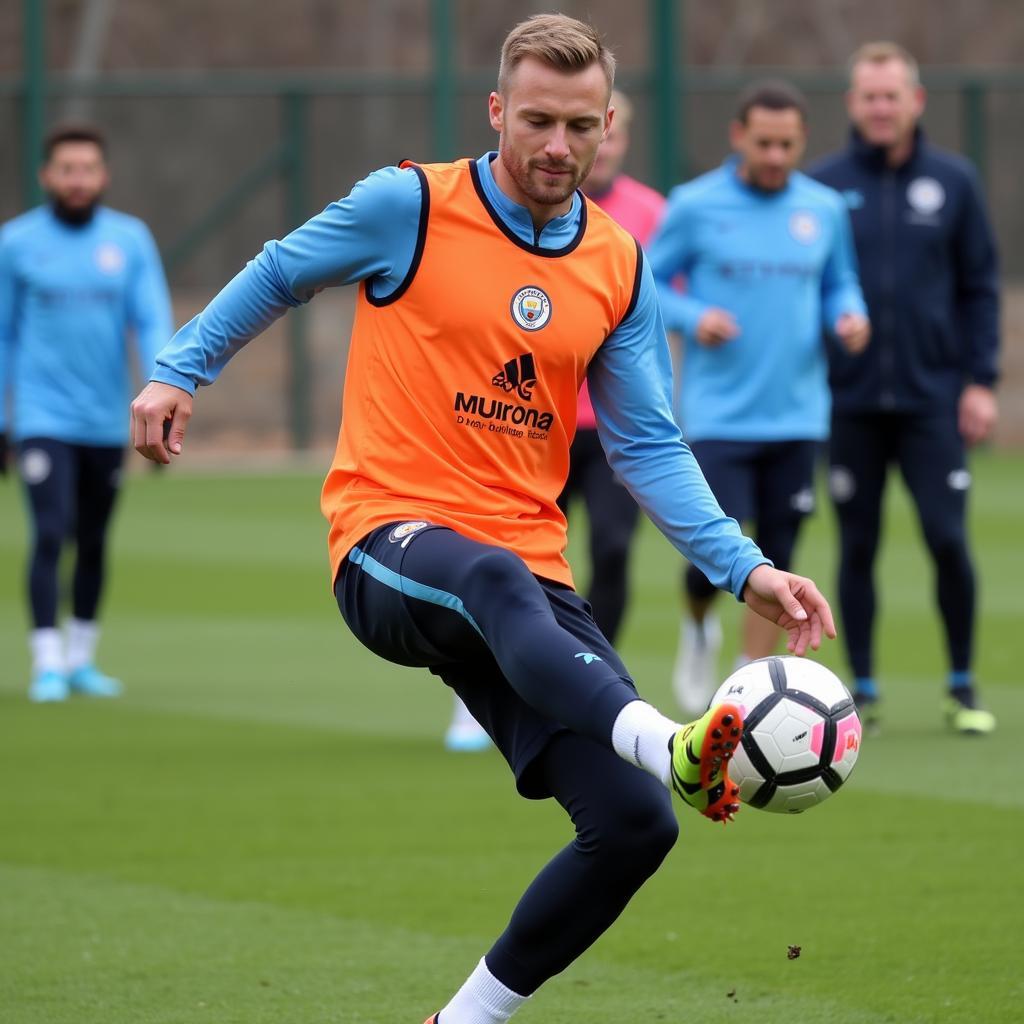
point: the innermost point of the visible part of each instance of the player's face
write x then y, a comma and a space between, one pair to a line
883, 103
608, 162
550, 124
770, 145
75, 175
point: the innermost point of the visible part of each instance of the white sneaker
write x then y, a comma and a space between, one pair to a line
695, 676
465, 734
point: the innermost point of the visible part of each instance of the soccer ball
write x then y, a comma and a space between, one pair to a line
801, 734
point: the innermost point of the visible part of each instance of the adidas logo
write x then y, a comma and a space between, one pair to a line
518, 375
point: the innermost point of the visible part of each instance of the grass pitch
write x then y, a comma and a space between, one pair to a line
266, 829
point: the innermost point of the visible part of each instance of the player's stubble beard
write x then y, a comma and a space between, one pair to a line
522, 171
77, 215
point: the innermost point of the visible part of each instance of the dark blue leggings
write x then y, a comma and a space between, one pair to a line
930, 454
71, 491
625, 827
612, 514
533, 668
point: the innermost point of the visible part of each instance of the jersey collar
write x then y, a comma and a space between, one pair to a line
558, 237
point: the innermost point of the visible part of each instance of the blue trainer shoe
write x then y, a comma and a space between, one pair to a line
91, 682
48, 687
466, 738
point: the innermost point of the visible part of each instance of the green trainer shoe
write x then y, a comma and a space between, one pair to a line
967, 719
701, 752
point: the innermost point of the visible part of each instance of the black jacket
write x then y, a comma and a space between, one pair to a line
929, 273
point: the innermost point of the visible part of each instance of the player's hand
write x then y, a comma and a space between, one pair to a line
853, 332
978, 413
716, 327
4, 450
793, 603
160, 414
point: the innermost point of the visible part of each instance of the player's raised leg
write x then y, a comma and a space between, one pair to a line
464, 601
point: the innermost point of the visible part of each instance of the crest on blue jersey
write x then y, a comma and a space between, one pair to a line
531, 308
109, 258
804, 226
926, 196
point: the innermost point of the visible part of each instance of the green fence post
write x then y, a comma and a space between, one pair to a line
300, 396
34, 97
443, 39
668, 124
975, 128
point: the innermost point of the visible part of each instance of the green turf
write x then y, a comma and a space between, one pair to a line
265, 829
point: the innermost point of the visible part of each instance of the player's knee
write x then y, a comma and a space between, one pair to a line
858, 546
653, 832
947, 543
90, 547
697, 585
49, 537
641, 835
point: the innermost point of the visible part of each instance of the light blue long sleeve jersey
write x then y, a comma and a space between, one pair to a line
784, 265
371, 235
69, 296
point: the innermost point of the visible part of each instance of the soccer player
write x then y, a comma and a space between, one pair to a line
76, 277
924, 390
488, 287
769, 264
611, 510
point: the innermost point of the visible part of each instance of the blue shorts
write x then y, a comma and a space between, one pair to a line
756, 480
423, 595
767, 483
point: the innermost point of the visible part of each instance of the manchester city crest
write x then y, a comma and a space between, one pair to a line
531, 308
926, 196
109, 258
804, 227
404, 531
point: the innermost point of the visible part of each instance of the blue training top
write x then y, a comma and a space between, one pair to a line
783, 264
68, 295
371, 235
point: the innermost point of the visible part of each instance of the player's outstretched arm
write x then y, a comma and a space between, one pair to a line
793, 603
160, 414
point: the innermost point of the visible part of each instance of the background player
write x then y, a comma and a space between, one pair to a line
925, 387
75, 278
446, 540
768, 261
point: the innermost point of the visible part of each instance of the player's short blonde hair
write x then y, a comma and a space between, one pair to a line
557, 40
882, 52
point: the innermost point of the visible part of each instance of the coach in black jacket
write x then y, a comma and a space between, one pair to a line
923, 388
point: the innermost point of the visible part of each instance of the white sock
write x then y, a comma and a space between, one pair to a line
482, 1000
82, 638
641, 735
47, 650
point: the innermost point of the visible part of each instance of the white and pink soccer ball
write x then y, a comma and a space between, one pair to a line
801, 734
